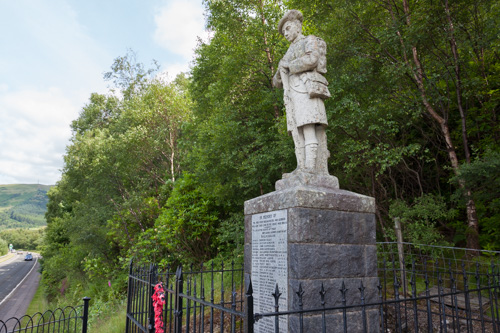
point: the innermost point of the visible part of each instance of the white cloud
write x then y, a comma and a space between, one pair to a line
178, 25
50, 70
34, 129
54, 63
172, 70
47, 46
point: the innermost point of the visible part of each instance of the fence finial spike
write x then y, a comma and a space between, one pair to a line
343, 290
322, 291
249, 288
300, 292
362, 291
276, 293
178, 273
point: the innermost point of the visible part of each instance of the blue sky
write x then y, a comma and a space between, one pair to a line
53, 54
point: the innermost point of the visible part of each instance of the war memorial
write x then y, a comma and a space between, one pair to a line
309, 233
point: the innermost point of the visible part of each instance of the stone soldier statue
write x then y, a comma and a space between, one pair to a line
300, 73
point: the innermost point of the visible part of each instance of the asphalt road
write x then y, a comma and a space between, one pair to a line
12, 272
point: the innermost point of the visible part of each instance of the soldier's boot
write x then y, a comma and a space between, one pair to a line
300, 153
323, 153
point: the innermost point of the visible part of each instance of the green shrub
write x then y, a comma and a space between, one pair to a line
26, 239
187, 226
419, 221
4, 247
482, 177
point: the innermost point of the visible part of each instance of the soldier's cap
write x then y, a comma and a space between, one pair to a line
291, 15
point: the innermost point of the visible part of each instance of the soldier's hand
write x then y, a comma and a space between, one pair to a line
284, 64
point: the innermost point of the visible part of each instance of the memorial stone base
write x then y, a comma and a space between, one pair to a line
312, 233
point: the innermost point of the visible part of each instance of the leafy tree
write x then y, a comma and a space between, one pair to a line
129, 76
4, 247
118, 173
423, 220
483, 176
26, 239
187, 225
96, 114
421, 66
161, 169
236, 145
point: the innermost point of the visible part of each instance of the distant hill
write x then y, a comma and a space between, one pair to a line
23, 206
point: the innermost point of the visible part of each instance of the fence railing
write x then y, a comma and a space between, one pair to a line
431, 290
68, 320
209, 299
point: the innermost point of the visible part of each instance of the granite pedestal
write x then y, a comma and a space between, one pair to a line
312, 233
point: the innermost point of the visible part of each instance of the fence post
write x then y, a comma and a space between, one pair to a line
399, 236
129, 296
276, 296
178, 301
249, 318
85, 317
152, 283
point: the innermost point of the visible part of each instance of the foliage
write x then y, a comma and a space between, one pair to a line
23, 206
483, 175
231, 236
107, 304
129, 75
159, 171
118, 173
187, 226
26, 239
236, 144
4, 247
414, 87
421, 221
109, 317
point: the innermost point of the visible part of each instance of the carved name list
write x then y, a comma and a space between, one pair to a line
269, 266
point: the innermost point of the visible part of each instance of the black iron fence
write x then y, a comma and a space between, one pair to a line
431, 289
68, 320
209, 299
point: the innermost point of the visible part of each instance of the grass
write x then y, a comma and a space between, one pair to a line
7, 257
111, 321
104, 317
38, 303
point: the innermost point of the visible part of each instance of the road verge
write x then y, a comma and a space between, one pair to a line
7, 257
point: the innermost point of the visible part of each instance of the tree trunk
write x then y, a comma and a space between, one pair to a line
458, 81
472, 233
268, 55
172, 156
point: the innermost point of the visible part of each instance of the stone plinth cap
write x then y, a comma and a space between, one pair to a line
334, 199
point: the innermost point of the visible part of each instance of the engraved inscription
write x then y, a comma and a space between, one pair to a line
269, 267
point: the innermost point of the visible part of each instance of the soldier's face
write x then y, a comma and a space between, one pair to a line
291, 30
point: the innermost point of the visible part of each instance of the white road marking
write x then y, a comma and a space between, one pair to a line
19, 284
